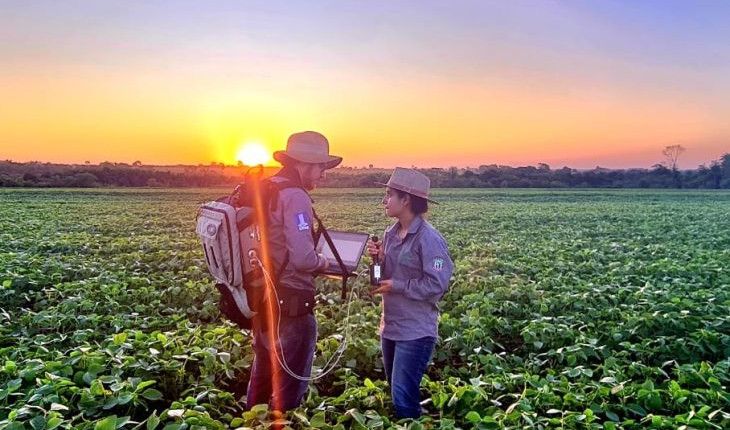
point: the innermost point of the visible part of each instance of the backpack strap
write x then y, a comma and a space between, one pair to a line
273, 188
322, 231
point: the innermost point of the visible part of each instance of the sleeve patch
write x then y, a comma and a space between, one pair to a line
438, 264
302, 221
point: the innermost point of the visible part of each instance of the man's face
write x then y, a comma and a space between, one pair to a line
312, 175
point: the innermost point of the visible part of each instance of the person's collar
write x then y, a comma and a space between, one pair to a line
393, 229
415, 224
412, 229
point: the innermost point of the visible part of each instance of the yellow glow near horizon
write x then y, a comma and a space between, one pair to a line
64, 119
253, 153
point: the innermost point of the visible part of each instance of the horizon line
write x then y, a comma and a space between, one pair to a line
345, 167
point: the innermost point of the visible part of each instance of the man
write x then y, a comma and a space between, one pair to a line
292, 252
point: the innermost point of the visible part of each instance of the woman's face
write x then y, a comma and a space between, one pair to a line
394, 205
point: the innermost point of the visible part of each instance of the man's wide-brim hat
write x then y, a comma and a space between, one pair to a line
410, 181
308, 147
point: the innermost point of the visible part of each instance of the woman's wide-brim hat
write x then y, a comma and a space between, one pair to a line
410, 181
308, 147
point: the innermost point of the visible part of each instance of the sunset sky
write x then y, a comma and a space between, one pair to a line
450, 83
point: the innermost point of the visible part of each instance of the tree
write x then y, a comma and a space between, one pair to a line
715, 174
453, 171
671, 155
82, 180
725, 164
725, 171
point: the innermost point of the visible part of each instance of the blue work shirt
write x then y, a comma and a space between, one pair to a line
290, 230
420, 268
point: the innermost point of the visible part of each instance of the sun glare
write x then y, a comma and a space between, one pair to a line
253, 153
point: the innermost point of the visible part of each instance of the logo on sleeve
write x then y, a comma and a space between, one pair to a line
438, 264
302, 223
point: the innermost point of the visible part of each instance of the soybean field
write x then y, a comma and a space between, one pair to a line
600, 309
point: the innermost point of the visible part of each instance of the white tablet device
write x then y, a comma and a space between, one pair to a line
350, 247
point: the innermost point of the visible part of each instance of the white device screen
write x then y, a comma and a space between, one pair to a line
349, 245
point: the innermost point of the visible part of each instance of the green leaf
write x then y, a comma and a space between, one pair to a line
125, 398
473, 417
318, 420
14, 384
95, 368
108, 423
10, 366
153, 421
613, 417
121, 421
144, 384
260, 408
110, 403
654, 402
357, 416
96, 388
415, 425
119, 338
54, 422
638, 410
152, 394
38, 422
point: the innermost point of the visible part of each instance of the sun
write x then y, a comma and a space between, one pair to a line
253, 153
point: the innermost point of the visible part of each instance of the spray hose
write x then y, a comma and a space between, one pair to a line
330, 365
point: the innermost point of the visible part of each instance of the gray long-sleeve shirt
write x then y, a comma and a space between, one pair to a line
290, 229
420, 268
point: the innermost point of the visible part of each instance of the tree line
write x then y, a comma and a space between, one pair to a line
47, 175
663, 175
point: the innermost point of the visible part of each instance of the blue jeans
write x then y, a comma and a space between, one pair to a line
298, 340
405, 363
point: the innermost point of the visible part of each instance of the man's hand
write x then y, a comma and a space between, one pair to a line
386, 286
326, 262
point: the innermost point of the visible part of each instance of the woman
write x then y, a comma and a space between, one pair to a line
416, 271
